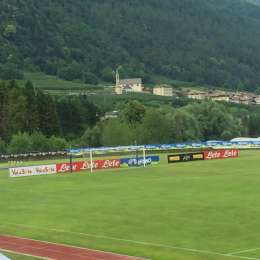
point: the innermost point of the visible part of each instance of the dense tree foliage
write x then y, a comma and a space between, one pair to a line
36, 142
30, 119
193, 122
214, 42
184, 124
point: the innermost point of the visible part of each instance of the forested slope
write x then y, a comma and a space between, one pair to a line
214, 42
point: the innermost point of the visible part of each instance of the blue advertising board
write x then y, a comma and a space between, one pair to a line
135, 162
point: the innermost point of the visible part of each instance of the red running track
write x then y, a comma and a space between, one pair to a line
47, 250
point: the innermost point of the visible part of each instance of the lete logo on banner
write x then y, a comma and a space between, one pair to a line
66, 167
221, 154
132, 162
32, 170
86, 165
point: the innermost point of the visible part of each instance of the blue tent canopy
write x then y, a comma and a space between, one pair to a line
241, 144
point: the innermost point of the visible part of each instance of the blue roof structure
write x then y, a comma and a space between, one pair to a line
240, 144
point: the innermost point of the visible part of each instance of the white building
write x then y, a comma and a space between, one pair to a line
235, 99
257, 100
246, 100
220, 97
129, 85
199, 95
165, 91
118, 90
110, 115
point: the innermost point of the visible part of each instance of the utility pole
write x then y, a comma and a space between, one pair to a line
71, 166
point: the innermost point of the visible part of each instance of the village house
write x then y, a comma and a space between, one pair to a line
235, 98
257, 100
110, 115
220, 97
242, 98
129, 85
246, 100
164, 90
199, 95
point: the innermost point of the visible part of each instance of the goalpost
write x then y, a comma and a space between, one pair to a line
111, 157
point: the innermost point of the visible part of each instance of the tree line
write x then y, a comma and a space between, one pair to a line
32, 121
30, 115
196, 121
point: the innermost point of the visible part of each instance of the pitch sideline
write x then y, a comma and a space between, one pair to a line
231, 255
244, 251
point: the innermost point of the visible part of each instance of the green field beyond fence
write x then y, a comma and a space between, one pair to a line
192, 211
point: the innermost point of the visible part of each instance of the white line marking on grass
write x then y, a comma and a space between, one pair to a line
18, 253
59, 244
136, 242
243, 251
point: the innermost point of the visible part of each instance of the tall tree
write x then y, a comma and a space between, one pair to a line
14, 112
133, 112
48, 117
32, 115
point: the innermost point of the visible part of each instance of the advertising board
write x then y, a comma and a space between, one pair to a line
106, 164
67, 167
221, 154
32, 170
187, 157
86, 165
134, 162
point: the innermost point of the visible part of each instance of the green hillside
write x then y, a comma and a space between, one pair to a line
215, 42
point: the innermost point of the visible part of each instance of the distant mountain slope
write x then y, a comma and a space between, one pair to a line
213, 42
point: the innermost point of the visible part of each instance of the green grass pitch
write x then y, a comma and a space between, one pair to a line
188, 211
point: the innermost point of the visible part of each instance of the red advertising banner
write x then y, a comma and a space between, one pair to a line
106, 164
86, 165
66, 167
221, 154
